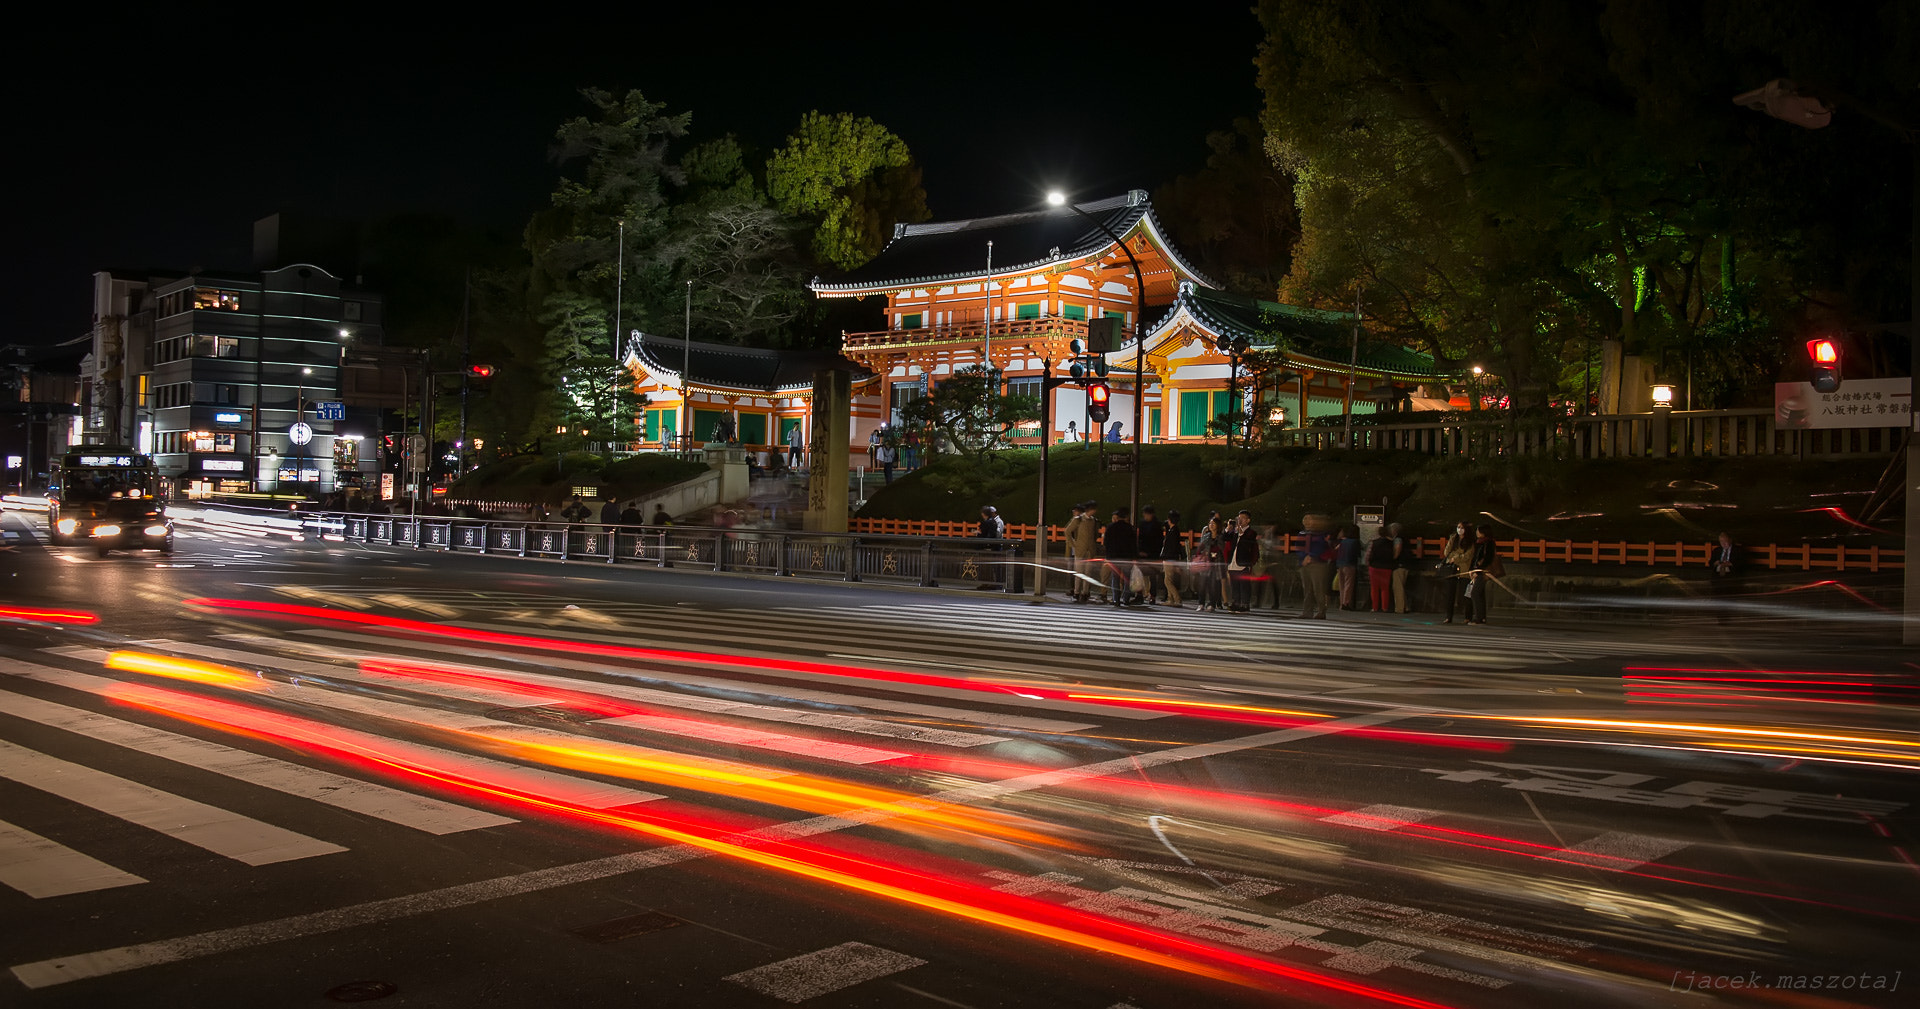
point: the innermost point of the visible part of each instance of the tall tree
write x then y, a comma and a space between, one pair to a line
735, 249
852, 180
1237, 215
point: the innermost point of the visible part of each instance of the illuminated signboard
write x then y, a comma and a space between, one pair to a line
223, 465
106, 460
227, 417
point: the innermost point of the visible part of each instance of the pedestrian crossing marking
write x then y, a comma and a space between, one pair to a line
546, 784
782, 691
1617, 851
240, 838
430, 815
39, 867
810, 975
1380, 817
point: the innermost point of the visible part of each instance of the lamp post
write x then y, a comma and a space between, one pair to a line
1059, 199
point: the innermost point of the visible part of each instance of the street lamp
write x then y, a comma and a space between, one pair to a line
1059, 199
1663, 397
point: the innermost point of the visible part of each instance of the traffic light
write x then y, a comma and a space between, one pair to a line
1825, 354
479, 371
1097, 396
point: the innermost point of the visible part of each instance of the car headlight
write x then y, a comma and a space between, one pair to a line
107, 530
67, 526
156, 530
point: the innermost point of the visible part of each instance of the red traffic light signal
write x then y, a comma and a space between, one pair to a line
480, 370
1825, 354
1098, 396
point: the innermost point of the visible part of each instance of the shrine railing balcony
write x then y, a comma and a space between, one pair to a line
1047, 328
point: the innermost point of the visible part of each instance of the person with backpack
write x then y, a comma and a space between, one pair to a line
1380, 573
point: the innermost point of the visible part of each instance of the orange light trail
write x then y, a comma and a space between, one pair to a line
48, 616
185, 669
894, 882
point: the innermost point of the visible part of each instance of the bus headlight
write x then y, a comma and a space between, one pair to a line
106, 530
67, 526
156, 530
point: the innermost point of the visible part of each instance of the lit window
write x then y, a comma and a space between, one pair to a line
216, 300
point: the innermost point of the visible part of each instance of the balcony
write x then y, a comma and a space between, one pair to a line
1049, 329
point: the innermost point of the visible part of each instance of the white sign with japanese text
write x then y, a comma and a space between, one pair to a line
1859, 402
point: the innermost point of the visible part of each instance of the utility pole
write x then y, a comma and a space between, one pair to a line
619, 280
466, 362
1353, 371
686, 391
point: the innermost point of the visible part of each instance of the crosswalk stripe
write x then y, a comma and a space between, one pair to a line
669, 699
1617, 851
546, 784
931, 690
797, 979
240, 838
404, 808
964, 715
39, 867
687, 728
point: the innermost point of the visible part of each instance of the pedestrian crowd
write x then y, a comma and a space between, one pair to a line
1228, 564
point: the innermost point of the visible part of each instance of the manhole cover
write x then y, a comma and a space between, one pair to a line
621, 928
362, 991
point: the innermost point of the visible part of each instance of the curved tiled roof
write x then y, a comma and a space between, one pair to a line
1311, 334
945, 252
726, 366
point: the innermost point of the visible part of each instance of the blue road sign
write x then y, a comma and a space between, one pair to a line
330, 411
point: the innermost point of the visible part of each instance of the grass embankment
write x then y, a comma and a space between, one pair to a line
551, 479
1758, 500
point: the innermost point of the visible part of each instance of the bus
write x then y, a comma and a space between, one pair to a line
108, 497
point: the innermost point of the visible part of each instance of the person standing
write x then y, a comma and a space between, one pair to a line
1242, 555
1073, 432
610, 515
1121, 546
1316, 569
1173, 558
1152, 534
793, 445
912, 441
992, 527
630, 515
1723, 579
576, 511
1207, 564
1402, 567
1483, 566
1346, 565
883, 457
1113, 433
1455, 558
1083, 543
1380, 574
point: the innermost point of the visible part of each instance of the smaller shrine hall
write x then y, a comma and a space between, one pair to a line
763, 394
1014, 291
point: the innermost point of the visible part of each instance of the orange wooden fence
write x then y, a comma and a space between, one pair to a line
1772, 556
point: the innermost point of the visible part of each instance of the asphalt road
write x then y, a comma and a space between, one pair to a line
263, 772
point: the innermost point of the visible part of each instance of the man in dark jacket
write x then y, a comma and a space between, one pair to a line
1243, 552
1152, 536
1120, 545
1316, 568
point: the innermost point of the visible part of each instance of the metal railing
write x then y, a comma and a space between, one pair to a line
927, 561
1705, 433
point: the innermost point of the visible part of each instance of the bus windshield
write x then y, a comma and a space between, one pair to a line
88, 479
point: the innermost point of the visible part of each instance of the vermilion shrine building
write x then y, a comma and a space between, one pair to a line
1014, 291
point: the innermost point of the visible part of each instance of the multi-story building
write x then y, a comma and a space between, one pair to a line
232, 380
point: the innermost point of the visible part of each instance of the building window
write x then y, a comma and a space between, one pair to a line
1193, 414
1027, 311
1074, 311
753, 429
216, 300
1024, 386
350, 311
901, 395
910, 321
226, 394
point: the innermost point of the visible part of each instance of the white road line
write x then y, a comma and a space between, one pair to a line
962, 715
800, 978
1618, 850
240, 838
714, 705
404, 808
1380, 817
39, 867
60, 970
1001, 695
546, 784
720, 732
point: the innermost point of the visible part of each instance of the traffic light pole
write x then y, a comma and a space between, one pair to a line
1139, 354
1910, 606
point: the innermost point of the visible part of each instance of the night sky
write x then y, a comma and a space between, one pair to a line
161, 151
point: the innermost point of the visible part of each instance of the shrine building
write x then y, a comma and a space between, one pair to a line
764, 393
1015, 290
